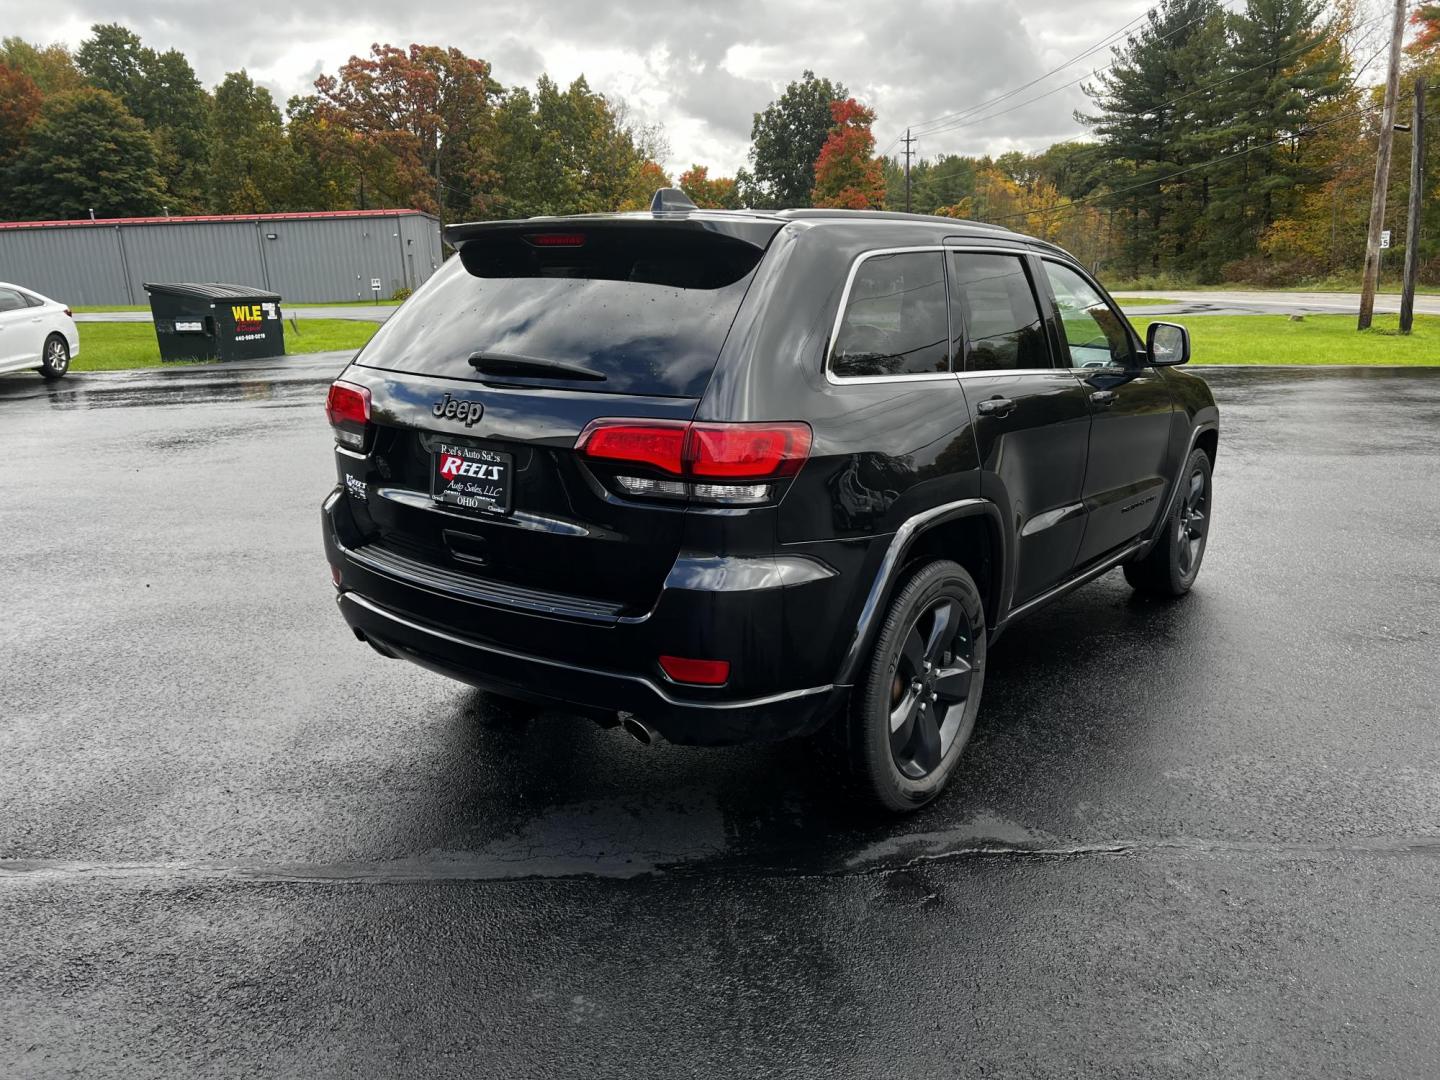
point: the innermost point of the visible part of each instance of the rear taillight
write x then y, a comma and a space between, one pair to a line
711, 460
348, 407
747, 451
658, 445
69, 314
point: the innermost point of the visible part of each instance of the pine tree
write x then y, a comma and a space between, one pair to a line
1284, 65
1147, 120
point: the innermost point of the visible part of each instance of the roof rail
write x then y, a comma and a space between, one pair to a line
810, 212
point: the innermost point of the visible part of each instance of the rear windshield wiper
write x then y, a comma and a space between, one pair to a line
509, 365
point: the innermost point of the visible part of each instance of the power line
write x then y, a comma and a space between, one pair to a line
1108, 39
946, 123
1307, 46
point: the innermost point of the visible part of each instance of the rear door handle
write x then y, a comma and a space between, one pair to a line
995, 406
1103, 397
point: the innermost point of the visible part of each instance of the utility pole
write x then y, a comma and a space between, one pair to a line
1417, 192
908, 141
1382, 171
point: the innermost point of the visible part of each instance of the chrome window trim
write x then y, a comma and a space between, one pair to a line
919, 376
1018, 251
1002, 372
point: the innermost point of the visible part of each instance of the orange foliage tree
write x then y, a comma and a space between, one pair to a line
707, 194
848, 175
19, 106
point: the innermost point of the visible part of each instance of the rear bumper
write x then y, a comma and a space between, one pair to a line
516, 674
583, 663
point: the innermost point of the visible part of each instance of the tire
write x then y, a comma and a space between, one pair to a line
55, 359
901, 768
1169, 569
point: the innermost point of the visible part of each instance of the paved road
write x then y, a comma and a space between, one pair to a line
1252, 302
358, 312
1193, 840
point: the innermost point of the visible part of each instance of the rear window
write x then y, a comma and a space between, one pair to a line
639, 310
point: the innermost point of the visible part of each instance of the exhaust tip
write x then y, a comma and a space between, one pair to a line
638, 730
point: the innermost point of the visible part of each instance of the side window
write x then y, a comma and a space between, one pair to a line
999, 313
33, 301
895, 320
10, 301
1094, 333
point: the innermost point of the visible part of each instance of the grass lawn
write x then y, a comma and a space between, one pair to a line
1319, 339
1144, 301
116, 346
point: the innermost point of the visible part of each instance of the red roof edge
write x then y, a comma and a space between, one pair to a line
204, 218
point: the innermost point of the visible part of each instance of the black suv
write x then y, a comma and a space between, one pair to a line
735, 476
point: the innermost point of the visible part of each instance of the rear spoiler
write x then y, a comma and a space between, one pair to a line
752, 229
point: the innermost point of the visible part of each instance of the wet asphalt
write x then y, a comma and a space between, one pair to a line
1191, 839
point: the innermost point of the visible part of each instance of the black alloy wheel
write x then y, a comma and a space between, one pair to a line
930, 688
915, 706
1192, 522
1171, 566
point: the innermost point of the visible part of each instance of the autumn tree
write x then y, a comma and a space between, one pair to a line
84, 152
422, 124
251, 162
50, 66
717, 194
647, 177
847, 173
334, 167
785, 142
569, 151
19, 107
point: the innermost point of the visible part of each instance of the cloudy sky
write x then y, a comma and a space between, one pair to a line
700, 69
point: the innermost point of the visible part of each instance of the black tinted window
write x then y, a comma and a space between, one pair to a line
10, 300
895, 320
641, 311
1001, 318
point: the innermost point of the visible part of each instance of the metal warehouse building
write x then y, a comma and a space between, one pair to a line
304, 257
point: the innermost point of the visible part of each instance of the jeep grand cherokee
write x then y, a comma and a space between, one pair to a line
732, 476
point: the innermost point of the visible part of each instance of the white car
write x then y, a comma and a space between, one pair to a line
35, 332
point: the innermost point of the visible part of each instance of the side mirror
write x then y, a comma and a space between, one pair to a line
1167, 344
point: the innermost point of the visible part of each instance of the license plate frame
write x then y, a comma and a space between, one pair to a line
472, 479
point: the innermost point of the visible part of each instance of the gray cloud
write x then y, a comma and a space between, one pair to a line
700, 69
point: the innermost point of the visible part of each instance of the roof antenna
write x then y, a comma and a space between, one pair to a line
669, 199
